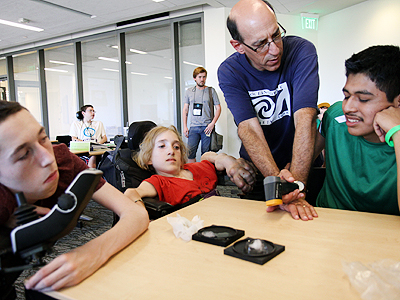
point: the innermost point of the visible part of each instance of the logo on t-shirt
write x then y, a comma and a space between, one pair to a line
88, 133
271, 106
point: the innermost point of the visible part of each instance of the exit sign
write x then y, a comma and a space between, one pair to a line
309, 21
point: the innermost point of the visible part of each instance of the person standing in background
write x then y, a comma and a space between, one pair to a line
199, 102
88, 130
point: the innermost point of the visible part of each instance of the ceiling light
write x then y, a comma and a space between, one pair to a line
192, 64
115, 47
23, 26
142, 74
55, 70
128, 62
158, 0
61, 62
108, 59
137, 51
112, 70
167, 77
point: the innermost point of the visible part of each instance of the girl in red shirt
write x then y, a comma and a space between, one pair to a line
175, 182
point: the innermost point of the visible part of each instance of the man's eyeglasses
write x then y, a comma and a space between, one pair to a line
264, 47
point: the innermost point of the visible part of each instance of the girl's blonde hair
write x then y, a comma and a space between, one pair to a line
143, 157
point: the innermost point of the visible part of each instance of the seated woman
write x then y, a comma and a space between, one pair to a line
176, 182
88, 130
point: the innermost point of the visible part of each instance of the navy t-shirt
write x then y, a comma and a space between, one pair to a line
272, 97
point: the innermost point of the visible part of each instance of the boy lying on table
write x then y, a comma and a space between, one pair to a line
163, 151
29, 163
361, 169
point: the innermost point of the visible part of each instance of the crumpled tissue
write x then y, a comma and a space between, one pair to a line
183, 228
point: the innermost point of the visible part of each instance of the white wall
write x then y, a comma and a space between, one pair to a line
374, 22
339, 35
217, 49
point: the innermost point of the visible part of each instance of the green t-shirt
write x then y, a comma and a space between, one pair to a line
360, 175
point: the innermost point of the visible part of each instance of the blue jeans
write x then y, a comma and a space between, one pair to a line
196, 134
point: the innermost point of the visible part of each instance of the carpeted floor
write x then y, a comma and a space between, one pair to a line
102, 220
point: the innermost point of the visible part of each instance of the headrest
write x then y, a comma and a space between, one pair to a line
137, 131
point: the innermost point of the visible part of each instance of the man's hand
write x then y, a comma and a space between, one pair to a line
292, 196
186, 131
299, 209
386, 120
209, 128
294, 202
243, 174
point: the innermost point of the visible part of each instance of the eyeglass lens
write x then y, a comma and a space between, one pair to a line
275, 40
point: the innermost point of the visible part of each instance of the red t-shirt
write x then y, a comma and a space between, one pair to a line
177, 190
69, 165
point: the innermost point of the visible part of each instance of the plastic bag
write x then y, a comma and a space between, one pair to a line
379, 280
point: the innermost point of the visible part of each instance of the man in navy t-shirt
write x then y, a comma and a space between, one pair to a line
271, 87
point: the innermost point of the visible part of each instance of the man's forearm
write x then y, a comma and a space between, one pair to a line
303, 144
253, 139
217, 113
185, 112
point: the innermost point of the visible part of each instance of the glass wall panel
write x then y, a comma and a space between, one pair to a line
149, 75
26, 78
101, 86
3, 79
61, 89
191, 54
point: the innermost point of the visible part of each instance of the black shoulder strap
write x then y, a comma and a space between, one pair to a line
211, 102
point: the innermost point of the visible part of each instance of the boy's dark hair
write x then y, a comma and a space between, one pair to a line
79, 114
382, 66
232, 26
8, 108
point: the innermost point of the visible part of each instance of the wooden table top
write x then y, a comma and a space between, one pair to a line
160, 266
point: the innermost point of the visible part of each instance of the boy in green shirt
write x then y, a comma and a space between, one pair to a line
361, 168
